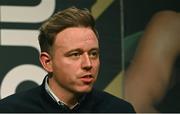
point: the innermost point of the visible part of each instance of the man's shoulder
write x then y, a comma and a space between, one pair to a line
110, 102
106, 97
23, 94
19, 99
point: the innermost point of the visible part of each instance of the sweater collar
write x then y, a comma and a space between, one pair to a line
54, 97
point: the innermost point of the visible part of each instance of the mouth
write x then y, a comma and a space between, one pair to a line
87, 79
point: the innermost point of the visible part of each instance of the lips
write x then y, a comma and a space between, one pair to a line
87, 79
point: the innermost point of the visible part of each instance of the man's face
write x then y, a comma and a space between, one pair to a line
75, 59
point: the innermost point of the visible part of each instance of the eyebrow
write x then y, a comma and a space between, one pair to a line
94, 49
80, 50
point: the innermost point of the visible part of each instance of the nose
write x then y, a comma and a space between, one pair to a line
86, 62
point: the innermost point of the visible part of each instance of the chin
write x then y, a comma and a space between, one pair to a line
84, 89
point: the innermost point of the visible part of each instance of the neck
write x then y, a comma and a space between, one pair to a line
69, 98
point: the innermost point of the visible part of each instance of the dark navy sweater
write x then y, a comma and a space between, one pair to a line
38, 100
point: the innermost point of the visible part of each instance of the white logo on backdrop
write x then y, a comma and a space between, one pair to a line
18, 37
19, 74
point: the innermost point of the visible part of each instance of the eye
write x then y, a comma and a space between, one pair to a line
74, 55
94, 54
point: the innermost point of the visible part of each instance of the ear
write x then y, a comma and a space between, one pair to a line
46, 61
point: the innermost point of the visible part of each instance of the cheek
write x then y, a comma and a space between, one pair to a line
66, 67
64, 72
96, 66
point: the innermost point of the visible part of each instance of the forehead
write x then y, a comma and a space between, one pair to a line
76, 36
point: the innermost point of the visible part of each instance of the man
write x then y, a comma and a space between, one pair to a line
70, 55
